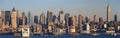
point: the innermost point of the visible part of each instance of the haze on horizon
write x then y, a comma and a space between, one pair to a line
74, 7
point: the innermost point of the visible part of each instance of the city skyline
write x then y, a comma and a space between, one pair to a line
85, 7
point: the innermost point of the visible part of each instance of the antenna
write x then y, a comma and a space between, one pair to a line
108, 2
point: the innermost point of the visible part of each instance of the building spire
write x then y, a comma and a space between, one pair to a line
108, 2
108, 11
13, 9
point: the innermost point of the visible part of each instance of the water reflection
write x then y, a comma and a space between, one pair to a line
21, 37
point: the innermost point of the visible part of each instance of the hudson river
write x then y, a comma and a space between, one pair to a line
65, 36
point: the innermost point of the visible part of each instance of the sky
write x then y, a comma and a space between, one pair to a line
74, 7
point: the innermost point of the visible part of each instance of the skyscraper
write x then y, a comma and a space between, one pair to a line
108, 12
61, 16
100, 19
24, 18
29, 18
70, 21
14, 18
42, 19
95, 19
3, 16
20, 20
74, 21
115, 17
80, 21
67, 19
36, 19
56, 21
49, 16
87, 19
8, 17
1, 23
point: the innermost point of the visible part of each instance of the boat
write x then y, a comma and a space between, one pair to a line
114, 34
110, 30
25, 32
95, 34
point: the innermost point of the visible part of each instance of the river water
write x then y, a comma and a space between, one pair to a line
65, 36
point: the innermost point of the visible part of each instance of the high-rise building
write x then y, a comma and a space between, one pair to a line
61, 16
67, 19
56, 21
101, 22
80, 21
87, 28
1, 23
14, 18
70, 21
20, 20
29, 19
87, 19
115, 17
24, 19
49, 16
0, 13
74, 20
3, 15
36, 19
108, 12
42, 19
100, 19
95, 19
6, 16
32, 19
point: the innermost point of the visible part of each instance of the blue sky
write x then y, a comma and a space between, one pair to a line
74, 7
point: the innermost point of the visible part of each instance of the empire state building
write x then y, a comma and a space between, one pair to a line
108, 12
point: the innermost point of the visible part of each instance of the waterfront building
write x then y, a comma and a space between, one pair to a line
50, 27
87, 28
37, 29
80, 21
72, 29
105, 25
